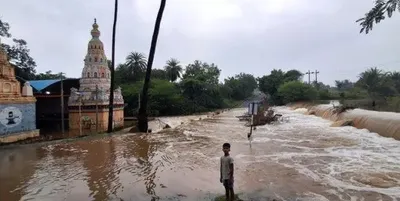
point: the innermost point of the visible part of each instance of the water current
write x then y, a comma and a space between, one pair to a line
302, 158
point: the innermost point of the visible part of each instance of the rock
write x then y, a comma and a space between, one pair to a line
166, 126
342, 123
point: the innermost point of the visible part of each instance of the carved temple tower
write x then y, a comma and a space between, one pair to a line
94, 91
17, 111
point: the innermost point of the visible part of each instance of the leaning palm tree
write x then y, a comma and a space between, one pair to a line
377, 14
173, 69
111, 106
142, 116
136, 63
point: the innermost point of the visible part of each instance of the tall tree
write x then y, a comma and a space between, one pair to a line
136, 63
174, 69
111, 105
377, 14
142, 116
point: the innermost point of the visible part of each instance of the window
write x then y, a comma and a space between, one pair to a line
88, 74
102, 74
101, 60
90, 59
95, 74
95, 59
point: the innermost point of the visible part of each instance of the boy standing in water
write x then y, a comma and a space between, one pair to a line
226, 171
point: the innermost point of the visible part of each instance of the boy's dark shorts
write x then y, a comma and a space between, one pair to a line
228, 183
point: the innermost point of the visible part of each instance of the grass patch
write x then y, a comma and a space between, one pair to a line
222, 198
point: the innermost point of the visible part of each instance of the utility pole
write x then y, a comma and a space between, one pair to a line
309, 76
62, 104
97, 109
80, 115
316, 76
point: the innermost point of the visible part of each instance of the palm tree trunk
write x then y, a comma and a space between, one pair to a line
111, 105
142, 116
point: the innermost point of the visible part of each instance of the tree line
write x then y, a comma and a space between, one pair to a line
374, 89
176, 90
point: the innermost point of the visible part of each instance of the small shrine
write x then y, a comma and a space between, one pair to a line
90, 104
17, 111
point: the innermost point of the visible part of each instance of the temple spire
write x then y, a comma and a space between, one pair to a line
95, 31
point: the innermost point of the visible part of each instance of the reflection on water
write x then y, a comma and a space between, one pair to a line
303, 159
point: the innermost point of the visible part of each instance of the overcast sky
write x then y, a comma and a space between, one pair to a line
252, 36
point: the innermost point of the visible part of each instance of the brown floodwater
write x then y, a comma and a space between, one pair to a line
302, 158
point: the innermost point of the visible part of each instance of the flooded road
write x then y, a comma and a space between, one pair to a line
302, 159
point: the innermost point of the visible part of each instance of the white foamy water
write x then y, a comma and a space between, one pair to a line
158, 124
344, 158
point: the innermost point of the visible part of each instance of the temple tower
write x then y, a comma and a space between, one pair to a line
94, 91
17, 111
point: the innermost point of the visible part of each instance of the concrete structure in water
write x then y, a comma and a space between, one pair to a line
17, 111
91, 101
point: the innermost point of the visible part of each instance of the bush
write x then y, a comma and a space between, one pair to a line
325, 94
355, 93
297, 91
394, 103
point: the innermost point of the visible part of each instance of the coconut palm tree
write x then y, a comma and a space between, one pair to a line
142, 115
136, 63
377, 14
111, 105
173, 69
377, 83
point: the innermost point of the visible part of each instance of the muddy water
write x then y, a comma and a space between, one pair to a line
302, 159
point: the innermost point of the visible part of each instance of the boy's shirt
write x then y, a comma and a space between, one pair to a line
225, 169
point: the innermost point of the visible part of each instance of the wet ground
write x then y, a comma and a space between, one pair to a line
302, 159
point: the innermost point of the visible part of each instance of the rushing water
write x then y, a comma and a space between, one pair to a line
302, 159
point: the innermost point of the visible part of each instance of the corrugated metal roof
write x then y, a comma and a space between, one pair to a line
41, 84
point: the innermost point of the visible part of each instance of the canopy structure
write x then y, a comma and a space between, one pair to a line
53, 87
48, 104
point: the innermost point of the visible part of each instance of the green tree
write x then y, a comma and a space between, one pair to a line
269, 84
293, 75
343, 85
203, 71
378, 13
173, 69
241, 86
18, 54
48, 75
142, 116
377, 83
297, 91
112, 68
165, 98
136, 64
159, 74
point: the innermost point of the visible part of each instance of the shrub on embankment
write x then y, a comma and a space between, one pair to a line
386, 124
